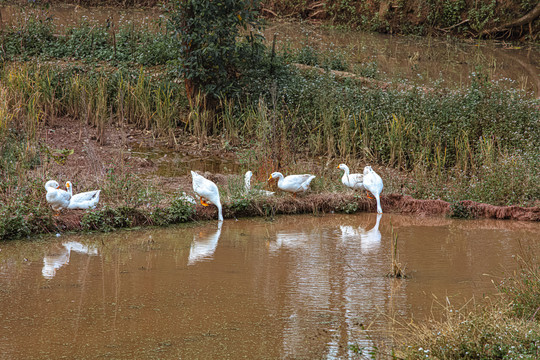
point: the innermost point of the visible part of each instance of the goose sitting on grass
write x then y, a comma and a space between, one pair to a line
57, 198
82, 201
293, 183
248, 189
207, 191
353, 181
374, 184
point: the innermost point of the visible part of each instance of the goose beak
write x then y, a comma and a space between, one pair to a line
270, 178
337, 167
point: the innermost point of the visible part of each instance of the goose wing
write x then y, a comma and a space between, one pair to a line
85, 196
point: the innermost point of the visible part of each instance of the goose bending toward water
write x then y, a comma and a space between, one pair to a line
353, 181
82, 201
56, 197
207, 191
248, 189
293, 183
374, 184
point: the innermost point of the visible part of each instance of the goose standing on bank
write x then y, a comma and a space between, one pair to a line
82, 201
374, 184
353, 181
248, 189
207, 191
293, 183
57, 198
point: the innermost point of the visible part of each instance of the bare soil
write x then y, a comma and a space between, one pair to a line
93, 159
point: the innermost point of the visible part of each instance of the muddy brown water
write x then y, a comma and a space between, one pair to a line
300, 287
171, 163
422, 61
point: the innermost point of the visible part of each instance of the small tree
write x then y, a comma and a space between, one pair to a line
210, 60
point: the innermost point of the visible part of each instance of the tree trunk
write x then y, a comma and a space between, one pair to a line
525, 19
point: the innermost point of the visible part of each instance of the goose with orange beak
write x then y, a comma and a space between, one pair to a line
56, 197
292, 183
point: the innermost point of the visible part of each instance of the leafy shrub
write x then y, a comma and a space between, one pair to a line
349, 207
13, 224
239, 204
209, 57
460, 211
307, 55
180, 211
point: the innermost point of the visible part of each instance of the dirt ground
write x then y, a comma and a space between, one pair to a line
93, 159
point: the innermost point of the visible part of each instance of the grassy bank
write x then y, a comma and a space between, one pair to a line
16, 222
504, 326
471, 144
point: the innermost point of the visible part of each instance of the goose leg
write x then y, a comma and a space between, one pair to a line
368, 195
203, 203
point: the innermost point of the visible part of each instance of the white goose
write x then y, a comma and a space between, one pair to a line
248, 189
354, 181
82, 201
57, 198
207, 190
374, 184
293, 183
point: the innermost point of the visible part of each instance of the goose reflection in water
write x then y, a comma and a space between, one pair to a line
53, 262
369, 240
204, 245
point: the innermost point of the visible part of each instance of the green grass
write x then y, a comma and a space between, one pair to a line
504, 327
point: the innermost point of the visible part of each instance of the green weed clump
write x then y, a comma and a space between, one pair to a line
20, 221
108, 218
89, 43
179, 211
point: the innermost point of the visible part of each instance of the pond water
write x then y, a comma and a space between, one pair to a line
171, 163
300, 287
421, 61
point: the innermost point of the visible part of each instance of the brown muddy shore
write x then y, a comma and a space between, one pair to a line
320, 204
